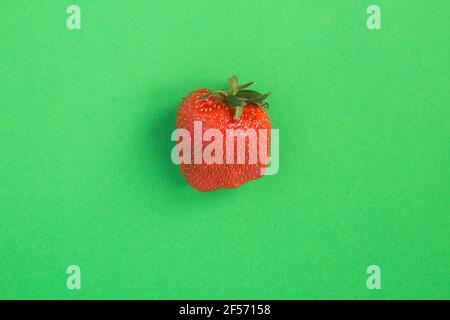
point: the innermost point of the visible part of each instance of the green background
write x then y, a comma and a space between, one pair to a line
86, 176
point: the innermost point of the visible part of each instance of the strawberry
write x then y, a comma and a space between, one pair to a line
234, 108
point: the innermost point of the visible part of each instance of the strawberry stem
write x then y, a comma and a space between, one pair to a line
238, 96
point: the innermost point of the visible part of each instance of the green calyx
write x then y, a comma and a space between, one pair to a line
238, 96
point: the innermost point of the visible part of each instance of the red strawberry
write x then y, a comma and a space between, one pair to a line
235, 108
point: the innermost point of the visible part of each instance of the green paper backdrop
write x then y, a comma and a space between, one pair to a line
86, 176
